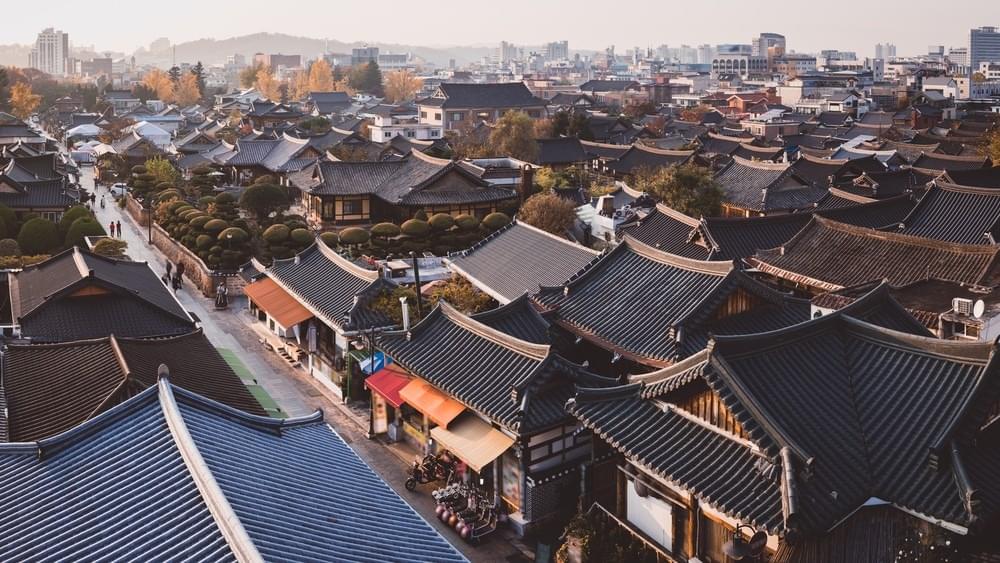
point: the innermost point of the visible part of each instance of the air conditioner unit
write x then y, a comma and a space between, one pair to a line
962, 306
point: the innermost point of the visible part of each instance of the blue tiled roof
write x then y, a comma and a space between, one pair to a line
122, 486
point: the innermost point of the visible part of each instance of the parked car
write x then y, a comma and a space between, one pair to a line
118, 190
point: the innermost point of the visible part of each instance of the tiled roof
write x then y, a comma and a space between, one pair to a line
652, 307
604, 150
493, 373
519, 318
477, 96
880, 185
942, 162
640, 156
129, 299
860, 441
952, 213
979, 177
562, 150
670, 231
331, 287
751, 152
765, 187
52, 388
818, 171
44, 194
518, 259
171, 475
829, 255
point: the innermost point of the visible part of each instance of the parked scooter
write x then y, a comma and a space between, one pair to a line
440, 467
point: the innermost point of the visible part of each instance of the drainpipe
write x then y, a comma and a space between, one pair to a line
416, 284
406, 313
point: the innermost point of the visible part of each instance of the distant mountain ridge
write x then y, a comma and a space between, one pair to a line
212, 51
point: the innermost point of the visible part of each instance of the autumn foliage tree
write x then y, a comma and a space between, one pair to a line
401, 85
320, 77
161, 83
992, 148
187, 92
23, 102
267, 84
514, 136
548, 212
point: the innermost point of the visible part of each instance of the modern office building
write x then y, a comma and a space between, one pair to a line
556, 50
984, 46
51, 52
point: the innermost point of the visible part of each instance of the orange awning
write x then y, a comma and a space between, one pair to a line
438, 407
277, 302
388, 382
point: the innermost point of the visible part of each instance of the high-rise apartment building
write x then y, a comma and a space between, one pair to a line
768, 42
984, 46
885, 51
556, 50
51, 52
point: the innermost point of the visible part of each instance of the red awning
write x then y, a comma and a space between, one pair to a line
387, 382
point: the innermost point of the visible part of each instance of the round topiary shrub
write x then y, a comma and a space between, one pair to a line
9, 220
234, 235
205, 200
71, 215
385, 230
354, 235
224, 198
216, 226
38, 236
420, 215
83, 227
415, 228
276, 234
189, 214
167, 195
295, 224
329, 238
495, 221
442, 222
242, 224
199, 221
203, 241
301, 237
175, 206
9, 247
467, 222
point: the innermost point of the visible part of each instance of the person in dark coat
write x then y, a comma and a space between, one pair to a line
170, 268
119, 224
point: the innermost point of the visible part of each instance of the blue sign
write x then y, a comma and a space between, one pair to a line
380, 361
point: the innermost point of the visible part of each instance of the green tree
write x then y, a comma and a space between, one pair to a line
248, 76
547, 178
367, 78
992, 147
38, 236
263, 199
175, 74
163, 171
71, 215
548, 212
689, 188
82, 228
199, 72
514, 136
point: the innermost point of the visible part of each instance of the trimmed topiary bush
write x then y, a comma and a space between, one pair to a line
420, 215
467, 222
442, 222
83, 227
71, 215
495, 221
9, 220
205, 200
301, 237
203, 241
9, 247
235, 235
385, 230
199, 221
225, 197
38, 236
329, 238
276, 234
216, 226
415, 228
354, 235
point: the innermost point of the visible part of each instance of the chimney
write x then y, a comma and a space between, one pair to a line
297, 259
406, 313
527, 182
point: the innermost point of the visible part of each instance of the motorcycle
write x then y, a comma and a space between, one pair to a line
432, 468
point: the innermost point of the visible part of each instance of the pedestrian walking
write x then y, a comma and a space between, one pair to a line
170, 267
111, 229
119, 223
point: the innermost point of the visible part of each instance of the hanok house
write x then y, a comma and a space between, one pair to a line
76, 295
264, 113
52, 388
454, 105
33, 184
808, 435
828, 256
339, 193
764, 188
519, 259
316, 305
937, 162
952, 213
636, 308
737, 238
495, 402
13, 131
279, 157
640, 157
169, 474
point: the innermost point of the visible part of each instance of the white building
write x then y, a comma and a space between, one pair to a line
51, 52
396, 121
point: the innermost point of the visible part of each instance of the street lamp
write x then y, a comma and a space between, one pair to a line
149, 217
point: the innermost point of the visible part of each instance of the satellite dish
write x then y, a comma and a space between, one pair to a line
978, 309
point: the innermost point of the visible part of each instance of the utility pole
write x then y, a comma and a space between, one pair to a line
416, 285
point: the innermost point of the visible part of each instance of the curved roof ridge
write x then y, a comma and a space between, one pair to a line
665, 152
960, 188
596, 394
226, 518
715, 267
344, 263
955, 350
419, 155
957, 158
673, 370
523, 300
677, 215
550, 235
900, 238
603, 145
761, 164
523, 347
860, 199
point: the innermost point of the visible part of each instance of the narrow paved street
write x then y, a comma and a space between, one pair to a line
293, 389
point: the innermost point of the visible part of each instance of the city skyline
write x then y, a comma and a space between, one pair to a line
911, 35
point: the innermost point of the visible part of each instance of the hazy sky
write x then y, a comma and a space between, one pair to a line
587, 24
